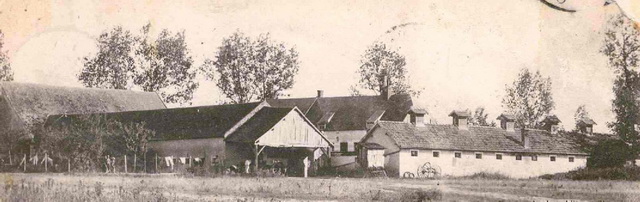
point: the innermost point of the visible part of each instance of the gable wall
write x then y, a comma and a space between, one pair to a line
292, 130
468, 164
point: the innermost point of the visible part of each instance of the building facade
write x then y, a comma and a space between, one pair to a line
460, 149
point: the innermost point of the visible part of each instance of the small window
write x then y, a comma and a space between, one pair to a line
478, 155
458, 155
499, 156
344, 147
534, 157
436, 154
571, 159
414, 152
518, 157
552, 158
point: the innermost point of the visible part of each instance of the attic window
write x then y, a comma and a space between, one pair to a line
534, 157
552, 158
571, 159
518, 157
414, 152
436, 154
499, 156
478, 155
458, 155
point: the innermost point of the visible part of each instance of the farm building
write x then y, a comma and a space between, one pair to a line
345, 120
23, 106
414, 148
228, 135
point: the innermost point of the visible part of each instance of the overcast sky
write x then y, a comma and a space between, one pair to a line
461, 52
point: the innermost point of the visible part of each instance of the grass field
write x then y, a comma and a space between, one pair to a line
99, 187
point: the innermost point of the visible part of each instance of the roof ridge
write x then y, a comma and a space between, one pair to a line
3, 83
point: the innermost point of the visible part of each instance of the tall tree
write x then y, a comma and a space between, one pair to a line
113, 65
126, 61
6, 74
252, 69
622, 48
380, 62
165, 66
529, 98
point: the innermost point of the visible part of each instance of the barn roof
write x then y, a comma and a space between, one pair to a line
178, 123
350, 112
259, 124
476, 138
30, 104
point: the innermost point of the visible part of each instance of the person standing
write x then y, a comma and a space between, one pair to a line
247, 166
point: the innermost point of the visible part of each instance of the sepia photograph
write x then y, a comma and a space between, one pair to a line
352, 100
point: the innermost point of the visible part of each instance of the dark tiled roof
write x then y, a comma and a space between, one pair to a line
459, 113
553, 119
326, 118
351, 112
258, 124
304, 104
505, 116
587, 121
370, 145
177, 123
375, 116
418, 110
476, 138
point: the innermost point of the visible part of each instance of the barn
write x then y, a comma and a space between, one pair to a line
25, 106
345, 120
228, 134
414, 149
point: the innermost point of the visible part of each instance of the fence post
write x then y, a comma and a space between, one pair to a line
25, 163
145, 161
125, 164
69, 165
135, 162
10, 159
46, 162
157, 163
190, 160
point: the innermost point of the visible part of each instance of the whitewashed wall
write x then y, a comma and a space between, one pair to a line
293, 130
468, 164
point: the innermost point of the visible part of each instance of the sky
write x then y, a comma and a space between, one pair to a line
462, 53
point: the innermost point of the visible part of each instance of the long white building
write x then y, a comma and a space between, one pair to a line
411, 148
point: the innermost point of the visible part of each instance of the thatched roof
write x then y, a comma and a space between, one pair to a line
24, 105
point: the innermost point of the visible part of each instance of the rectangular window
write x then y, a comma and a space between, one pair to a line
499, 156
478, 155
552, 158
518, 157
534, 157
344, 146
571, 159
436, 154
414, 152
458, 155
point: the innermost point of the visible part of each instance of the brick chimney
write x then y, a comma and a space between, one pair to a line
460, 119
507, 122
320, 93
550, 124
416, 116
524, 138
386, 90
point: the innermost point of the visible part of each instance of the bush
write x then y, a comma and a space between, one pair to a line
631, 173
609, 154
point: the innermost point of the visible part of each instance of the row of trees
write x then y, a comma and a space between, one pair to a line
245, 69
